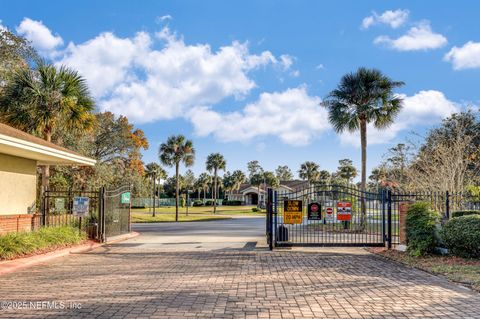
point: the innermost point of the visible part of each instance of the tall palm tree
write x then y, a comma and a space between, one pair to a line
43, 99
309, 171
215, 162
177, 149
363, 97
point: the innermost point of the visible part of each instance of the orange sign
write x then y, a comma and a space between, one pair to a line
344, 211
292, 212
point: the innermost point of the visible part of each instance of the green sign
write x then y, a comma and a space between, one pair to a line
125, 198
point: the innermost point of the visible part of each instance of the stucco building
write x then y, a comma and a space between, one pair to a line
20, 154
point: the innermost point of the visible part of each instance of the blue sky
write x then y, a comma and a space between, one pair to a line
244, 78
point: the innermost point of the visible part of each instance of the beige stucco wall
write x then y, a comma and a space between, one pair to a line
18, 181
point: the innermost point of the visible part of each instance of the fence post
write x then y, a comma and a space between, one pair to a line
270, 218
389, 219
43, 207
447, 205
102, 214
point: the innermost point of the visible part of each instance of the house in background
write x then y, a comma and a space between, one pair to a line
20, 154
252, 195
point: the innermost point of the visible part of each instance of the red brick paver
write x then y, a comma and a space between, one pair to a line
131, 281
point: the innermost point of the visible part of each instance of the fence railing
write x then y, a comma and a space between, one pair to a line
159, 202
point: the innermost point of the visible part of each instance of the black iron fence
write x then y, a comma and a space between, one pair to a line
372, 218
106, 214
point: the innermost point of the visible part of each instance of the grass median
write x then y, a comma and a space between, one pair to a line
14, 245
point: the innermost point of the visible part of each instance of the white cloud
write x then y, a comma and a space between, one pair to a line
394, 18
292, 115
424, 108
163, 18
465, 57
130, 77
420, 37
320, 67
2, 27
40, 36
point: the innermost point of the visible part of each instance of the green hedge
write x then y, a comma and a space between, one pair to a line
197, 203
232, 202
461, 235
25, 243
420, 229
465, 213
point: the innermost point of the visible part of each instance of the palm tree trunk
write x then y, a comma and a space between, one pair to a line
363, 138
215, 192
176, 191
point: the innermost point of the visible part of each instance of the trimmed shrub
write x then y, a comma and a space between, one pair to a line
20, 244
231, 202
420, 229
461, 235
465, 213
255, 210
197, 203
209, 202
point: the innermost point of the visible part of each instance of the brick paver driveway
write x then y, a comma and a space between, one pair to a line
223, 275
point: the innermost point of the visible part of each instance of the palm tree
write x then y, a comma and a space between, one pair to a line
363, 97
239, 178
43, 99
204, 180
177, 149
309, 171
215, 162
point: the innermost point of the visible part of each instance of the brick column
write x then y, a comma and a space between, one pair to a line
403, 207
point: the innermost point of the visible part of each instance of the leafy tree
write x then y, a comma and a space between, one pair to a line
309, 171
346, 170
253, 168
177, 149
15, 53
215, 162
228, 182
284, 173
363, 97
271, 179
189, 179
155, 169
46, 98
170, 185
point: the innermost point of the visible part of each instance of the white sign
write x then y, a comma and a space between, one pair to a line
80, 206
329, 214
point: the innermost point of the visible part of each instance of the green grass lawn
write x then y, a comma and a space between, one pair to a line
169, 217
221, 210
464, 271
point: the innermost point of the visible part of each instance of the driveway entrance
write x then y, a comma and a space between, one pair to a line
209, 270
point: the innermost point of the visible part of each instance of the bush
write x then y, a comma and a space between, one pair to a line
465, 213
19, 244
420, 229
197, 203
231, 202
255, 210
461, 235
209, 202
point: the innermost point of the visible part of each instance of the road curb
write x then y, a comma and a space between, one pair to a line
9, 266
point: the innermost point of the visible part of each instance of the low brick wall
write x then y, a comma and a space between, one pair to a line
18, 223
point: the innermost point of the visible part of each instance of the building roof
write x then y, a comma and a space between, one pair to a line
293, 185
18, 143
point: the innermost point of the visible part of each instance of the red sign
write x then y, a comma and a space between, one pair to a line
329, 213
344, 211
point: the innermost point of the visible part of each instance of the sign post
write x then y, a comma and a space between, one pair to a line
314, 211
125, 199
80, 208
329, 216
344, 212
292, 211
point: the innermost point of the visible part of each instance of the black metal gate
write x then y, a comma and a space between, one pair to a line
331, 215
108, 213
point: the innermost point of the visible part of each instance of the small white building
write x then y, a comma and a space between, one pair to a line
252, 195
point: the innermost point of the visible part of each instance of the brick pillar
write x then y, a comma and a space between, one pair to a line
403, 207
